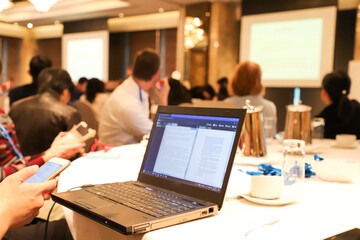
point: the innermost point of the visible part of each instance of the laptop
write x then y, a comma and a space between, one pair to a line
183, 177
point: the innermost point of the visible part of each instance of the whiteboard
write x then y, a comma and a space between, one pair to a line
86, 55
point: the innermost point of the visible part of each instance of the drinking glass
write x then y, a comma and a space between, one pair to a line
293, 167
269, 127
318, 125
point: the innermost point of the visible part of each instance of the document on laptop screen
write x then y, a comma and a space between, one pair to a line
196, 150
175, 151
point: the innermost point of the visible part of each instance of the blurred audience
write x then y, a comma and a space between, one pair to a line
246, 85
37, 64
223, 89
95, 96
40, 118
11, 159
342, 115
80, 88
125, 115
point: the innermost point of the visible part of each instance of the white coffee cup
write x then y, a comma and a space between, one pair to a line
345, 140
266, 186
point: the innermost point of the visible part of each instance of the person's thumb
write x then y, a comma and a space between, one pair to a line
48, 186
27, 172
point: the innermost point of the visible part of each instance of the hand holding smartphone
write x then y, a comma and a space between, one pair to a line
49, 170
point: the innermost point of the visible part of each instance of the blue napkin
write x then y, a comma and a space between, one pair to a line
266, 169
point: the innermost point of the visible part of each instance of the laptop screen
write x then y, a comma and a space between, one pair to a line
191, 149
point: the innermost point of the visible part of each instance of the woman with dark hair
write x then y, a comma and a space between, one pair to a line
95, 95
342, 115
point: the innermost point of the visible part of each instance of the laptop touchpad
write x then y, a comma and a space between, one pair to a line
94, 202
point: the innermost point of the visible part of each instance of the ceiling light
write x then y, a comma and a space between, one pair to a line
161, 10
192, 32
4, 4
121, 15
57, 22
43, 5
30, 25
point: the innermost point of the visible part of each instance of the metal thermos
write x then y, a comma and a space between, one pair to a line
253, 134
298, 123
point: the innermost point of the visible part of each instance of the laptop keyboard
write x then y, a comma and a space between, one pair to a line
146, 200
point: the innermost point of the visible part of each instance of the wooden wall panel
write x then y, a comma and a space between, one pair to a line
51, 48
116, 56
265, 6
141, 40
14, 62
170, 59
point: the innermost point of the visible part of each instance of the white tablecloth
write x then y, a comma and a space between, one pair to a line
323, 209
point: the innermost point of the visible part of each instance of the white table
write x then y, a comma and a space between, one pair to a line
324, 208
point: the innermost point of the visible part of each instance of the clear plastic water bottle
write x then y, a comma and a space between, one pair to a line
293, 167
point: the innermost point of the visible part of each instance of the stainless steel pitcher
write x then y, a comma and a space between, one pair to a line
298, 123
253, 141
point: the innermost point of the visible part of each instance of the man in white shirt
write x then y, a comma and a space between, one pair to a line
125, 115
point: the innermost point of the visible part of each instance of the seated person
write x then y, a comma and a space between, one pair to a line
80, 88
37, 64
20, 203
246, 85
95, 96
125, 115
205, 92
223, 89
341, 115
39, 119
11, 159
178, 93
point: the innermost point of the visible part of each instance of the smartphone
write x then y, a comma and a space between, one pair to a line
49, 170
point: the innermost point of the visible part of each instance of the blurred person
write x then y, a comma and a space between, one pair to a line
342, 115
37, 64
205, 92
40, 118
80, 88
209, 92
20, 202
95, 96
246, 85
125, 116
178, 93
197, 92
223, 89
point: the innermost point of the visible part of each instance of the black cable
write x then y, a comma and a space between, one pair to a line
48, 217
47, 221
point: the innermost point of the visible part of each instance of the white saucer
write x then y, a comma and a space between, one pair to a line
334, 144
286, 198
243, 160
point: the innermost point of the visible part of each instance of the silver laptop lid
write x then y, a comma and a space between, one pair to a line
191, 150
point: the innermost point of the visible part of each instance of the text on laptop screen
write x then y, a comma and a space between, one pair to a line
191, 149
